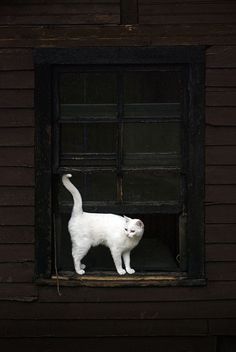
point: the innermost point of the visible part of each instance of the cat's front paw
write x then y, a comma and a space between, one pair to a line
81, 272
121, 272
83, 266
130, 271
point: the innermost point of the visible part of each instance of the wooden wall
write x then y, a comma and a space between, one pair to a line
149, 319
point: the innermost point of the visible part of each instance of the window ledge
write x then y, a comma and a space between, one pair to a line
114, 280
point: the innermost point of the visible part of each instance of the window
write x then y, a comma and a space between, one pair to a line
127, 123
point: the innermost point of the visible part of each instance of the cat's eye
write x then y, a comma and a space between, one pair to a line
126, 229
132, 231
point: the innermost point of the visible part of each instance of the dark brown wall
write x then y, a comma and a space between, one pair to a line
179, 318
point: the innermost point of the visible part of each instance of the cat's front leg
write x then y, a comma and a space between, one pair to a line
126, 257
116, 255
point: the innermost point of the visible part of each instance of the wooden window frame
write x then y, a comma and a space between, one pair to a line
46, 59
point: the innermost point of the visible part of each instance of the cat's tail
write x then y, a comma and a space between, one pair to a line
77, 208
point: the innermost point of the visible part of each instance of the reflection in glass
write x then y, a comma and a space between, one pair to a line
93, 186
152, 93
151, 137
88, 94
141, 186
88, 138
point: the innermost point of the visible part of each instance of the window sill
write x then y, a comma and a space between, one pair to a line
113, 280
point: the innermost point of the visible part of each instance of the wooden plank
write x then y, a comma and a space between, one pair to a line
16, 196
17, 176
220, 194
71, 36
60, 9
138, 311
221, 77
16, 215
16, 59
117, 40
16, 234
15, 253
17, 118
14, 98
188, 8
167, 344
17, 272
222, 327
220, 252
221, 56
221, 271
44, 32
220, 175
86, 328
129, 11
19, 136
178, 18
221, 155
17, 156
220, 214
18, 292
213, 291
49, 2
174, 1
16, 79
221, 116
221, 97
218, 135
60, 19
220, 233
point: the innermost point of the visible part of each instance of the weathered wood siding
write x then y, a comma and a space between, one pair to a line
149, 319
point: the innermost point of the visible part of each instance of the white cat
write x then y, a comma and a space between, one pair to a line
120, 234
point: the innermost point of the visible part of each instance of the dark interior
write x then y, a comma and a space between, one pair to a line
156, 251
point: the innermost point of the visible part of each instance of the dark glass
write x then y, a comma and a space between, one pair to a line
88, 94
152, 137
88, 138
143, 186
152, 93
93, 186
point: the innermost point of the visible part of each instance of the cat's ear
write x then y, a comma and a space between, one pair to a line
126, 218
139, 223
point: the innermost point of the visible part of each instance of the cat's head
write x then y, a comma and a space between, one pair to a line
133, 227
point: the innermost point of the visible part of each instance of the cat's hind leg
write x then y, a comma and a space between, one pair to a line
78, 253
116, 255
126, 257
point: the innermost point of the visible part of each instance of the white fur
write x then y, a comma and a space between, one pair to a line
120, 234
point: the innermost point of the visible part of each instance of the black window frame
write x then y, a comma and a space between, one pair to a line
192, 57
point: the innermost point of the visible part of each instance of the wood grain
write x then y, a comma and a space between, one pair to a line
116, 344
16, 253
16, 234
17, 176
86, 328
17, 215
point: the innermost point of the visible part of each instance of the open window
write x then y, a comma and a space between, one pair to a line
127, 123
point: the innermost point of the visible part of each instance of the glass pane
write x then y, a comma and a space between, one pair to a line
141, 186
93, 186
152, 137
88, 138
88, 94
152, 93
